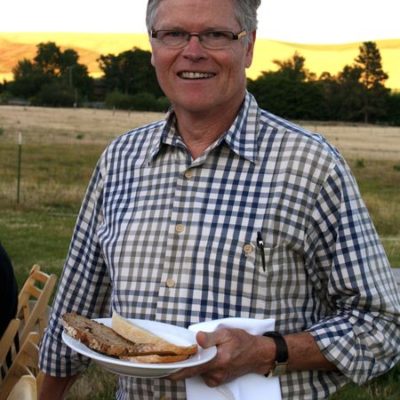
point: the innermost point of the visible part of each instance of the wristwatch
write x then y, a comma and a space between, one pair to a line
282, 354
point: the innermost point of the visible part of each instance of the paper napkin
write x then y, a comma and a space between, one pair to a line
247, 387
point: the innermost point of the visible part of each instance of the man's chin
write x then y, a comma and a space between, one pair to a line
194, 106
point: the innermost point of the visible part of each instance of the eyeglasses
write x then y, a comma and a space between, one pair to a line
213, 40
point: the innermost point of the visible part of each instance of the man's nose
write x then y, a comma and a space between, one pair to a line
194, 48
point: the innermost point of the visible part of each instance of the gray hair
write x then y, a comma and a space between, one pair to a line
245, 11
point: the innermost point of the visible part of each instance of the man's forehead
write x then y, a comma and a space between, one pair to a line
202, 12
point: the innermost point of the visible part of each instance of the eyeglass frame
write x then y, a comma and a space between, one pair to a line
188, 35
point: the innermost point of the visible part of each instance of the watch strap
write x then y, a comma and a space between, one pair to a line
282, 353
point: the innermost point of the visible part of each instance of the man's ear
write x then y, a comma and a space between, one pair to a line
250, 49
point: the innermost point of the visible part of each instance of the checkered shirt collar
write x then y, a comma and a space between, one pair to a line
241, 137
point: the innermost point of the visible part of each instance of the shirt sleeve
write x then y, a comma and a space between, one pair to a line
361, 334
84, 286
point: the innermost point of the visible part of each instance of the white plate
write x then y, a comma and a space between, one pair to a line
173, 334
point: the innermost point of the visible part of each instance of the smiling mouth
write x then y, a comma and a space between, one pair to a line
195, 75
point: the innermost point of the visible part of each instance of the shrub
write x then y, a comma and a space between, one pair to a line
360, 163
118, 100
139, 102
148, 102
5, 97
163, 104
54, 95
144, 102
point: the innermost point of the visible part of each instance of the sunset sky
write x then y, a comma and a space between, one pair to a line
309, 21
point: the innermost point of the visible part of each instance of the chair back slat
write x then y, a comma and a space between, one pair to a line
25, 363
33, 291
33, 301
9, 346
25, 389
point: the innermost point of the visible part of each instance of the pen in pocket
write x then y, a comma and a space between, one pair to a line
260, 245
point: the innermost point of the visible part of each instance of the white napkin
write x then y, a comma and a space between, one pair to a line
247, 387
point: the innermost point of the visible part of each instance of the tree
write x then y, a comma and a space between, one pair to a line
54, 68
294, 68
393, 109
291, 91
129, 72
73, 74
349, 94
47, 58
370, 62
373, 80
28, 79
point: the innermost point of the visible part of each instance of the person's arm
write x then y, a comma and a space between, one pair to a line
360, 331
53, 388
240, 353
84, 286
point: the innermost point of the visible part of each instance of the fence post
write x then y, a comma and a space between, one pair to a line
19, 160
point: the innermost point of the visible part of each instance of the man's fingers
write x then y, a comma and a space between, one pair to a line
209, 339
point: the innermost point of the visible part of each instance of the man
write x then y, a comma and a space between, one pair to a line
226, 210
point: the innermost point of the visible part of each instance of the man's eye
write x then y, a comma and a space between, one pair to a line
217, 35
174, 34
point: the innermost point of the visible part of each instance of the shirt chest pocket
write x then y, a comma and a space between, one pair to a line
234, 276
284, 273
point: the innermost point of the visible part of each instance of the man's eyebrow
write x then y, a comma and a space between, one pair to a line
169, 28
180, 28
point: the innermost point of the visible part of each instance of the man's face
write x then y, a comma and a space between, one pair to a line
195, 79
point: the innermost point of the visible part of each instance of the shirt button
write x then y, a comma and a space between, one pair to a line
248, 248
188, 174
180, 228
170, 283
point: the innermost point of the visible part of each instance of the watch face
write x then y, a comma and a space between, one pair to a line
280, 369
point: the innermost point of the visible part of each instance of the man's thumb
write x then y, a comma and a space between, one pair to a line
205, 339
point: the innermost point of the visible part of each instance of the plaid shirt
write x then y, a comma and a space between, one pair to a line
163, 237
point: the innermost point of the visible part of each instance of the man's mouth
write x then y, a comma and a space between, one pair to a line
195, 75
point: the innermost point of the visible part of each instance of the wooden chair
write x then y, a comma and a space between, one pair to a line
25, 363
19, 344
33, 301
24, 389
9, 345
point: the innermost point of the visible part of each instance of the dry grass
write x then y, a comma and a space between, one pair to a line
361, 141
44, 125
68, 125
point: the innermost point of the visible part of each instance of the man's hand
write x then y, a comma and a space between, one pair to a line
238, 353
55, 388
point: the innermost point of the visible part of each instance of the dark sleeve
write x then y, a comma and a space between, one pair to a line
8, 291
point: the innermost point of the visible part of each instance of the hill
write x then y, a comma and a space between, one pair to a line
319, 58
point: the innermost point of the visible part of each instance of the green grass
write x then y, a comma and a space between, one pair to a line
95, 384
379, 183
386, 387
53, 182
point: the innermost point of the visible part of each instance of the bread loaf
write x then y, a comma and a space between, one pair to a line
136, 344
137, 334
156, 359
96, 336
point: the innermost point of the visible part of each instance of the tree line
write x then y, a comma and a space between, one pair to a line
357, 93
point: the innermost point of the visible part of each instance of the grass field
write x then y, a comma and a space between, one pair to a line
59, 150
